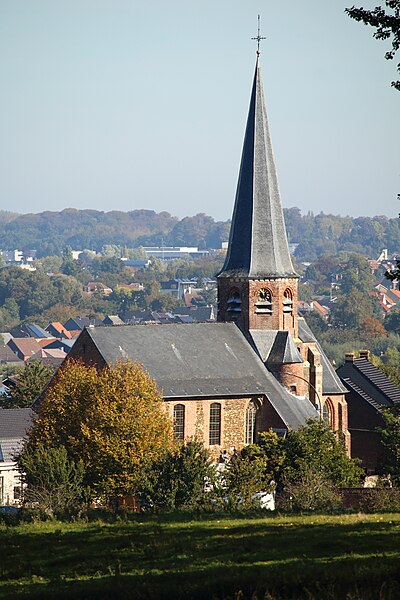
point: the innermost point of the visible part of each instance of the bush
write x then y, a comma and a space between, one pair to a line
312, 490
54, 483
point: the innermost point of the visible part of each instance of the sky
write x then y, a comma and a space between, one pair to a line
127, 104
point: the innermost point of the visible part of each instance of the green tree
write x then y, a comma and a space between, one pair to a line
112, 419
30, 382
54, 483
390, 438
387, 25
178, 479
352, 309
392, 320
317, 446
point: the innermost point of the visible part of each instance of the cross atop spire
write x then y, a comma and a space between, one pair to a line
258, 38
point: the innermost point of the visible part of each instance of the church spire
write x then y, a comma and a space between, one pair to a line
258, 245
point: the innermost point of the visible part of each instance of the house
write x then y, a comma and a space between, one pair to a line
57, 330
112, 320
63, 344
14, 423
29, 330
24, 348
94, 287
78, 323
322, 311
259, 366
49, 356
7, 356
196, 313
370, 392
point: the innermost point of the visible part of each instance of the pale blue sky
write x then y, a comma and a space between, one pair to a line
121, 104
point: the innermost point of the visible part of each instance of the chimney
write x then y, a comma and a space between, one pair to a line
364, 354
349, 357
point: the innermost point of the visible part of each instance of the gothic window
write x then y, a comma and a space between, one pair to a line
264, 301
327, 413
340, 417
234, 301
251, 413
215, 424
179, 422
287, 301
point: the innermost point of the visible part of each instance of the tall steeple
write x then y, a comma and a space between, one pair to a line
258, 245
257, 286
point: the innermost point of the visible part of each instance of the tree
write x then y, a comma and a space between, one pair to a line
386, 25
112, 419
317, 446
30, 382
392, 320
352, 309
54, 482
390, 438
178, 479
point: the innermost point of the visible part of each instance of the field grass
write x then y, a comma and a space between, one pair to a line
352, 556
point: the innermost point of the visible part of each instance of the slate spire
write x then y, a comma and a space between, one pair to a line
258, 246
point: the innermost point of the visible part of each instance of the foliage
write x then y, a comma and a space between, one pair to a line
113, 420
177, 481
310, 489
245, 475
390, 438
386, 24
318, 447
30, 382
54, 483
392, 320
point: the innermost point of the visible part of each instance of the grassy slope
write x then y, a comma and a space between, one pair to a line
212, 557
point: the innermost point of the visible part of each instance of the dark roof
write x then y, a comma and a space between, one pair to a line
197, 313
331, 383
14, 423
77, 323
375, 386
258, 245
29, 330
200, 360
275, 347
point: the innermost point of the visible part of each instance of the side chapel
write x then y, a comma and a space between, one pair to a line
259, 366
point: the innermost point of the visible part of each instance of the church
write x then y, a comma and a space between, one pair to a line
259, 367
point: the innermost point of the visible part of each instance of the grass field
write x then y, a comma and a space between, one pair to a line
217, 557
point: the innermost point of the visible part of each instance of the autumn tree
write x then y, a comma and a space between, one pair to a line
112, 419
386, 24
30, 382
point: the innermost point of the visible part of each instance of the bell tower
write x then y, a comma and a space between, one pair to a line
257, 286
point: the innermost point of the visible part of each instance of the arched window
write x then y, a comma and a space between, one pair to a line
287, 301
234, 301
215, 424
179, 421
251, 414
264, 301
327, 413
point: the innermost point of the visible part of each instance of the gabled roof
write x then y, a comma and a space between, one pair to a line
275, 347
197, 360
112, 320
78, 323
7, 355
25, 346
371, 380
331, 383
258, 245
